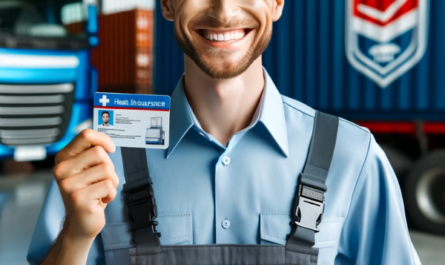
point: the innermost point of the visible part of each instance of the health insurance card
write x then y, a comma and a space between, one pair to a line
133, 120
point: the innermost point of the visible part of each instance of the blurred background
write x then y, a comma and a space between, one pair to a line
378, 63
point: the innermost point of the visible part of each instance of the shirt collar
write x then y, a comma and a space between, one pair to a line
180, 120
270, 112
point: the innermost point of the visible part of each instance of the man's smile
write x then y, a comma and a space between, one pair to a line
223, 35
223, 38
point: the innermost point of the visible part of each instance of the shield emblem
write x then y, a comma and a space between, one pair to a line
386, 38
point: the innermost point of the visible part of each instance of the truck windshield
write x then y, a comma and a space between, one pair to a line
42, 18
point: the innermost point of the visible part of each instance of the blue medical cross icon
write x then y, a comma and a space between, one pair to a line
104, 100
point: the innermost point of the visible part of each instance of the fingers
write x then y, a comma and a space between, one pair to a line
88, 177
88, 197
85, 175
85, 140
87, 159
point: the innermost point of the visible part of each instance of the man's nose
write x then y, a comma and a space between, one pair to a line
224, 10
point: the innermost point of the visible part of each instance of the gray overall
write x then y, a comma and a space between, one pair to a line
308, 206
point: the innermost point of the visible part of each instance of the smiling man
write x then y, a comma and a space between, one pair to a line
245, 176
106, 119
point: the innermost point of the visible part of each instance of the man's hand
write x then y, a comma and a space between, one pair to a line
87, 182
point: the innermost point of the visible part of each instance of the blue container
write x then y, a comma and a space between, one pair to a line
312, 58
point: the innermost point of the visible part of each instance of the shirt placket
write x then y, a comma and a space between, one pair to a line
223, 168
224, 225
222, 218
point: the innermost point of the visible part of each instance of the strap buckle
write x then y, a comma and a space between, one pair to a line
142, 209
310, 207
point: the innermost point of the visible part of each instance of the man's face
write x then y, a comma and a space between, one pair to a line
105, 118
223, 37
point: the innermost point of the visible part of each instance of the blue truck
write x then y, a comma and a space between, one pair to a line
379, 63
46, 80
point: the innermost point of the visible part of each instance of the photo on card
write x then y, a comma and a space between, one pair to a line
106, 118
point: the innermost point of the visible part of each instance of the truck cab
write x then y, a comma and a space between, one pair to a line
46, 80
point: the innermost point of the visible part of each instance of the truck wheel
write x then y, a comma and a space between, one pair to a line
424, 192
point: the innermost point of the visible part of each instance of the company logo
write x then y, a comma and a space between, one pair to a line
104, 100
386, 38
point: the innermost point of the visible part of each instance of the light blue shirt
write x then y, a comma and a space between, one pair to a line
242, 193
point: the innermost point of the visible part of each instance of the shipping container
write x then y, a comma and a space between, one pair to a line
124, 57
348, 58
116, 6
307, 59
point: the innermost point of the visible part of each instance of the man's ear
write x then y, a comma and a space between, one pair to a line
277, 9
167, 10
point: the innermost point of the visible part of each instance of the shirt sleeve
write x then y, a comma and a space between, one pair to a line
375, 229
48, 227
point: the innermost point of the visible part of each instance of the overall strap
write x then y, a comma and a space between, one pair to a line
308, 204
140, 200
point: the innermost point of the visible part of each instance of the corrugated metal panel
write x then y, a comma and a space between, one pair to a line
168, 58
307, 60
75, 28
124, 56
115, 6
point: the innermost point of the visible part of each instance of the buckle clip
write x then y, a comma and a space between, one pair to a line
310, 207
142, 209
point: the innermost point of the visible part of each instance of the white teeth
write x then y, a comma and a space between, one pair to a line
236, 35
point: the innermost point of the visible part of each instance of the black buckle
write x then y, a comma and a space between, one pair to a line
310, 207
142, 209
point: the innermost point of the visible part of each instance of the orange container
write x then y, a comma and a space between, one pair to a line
124, 56
75, 28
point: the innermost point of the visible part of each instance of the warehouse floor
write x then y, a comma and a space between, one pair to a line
22, 196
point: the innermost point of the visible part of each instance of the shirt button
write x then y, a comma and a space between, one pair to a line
226, 160
225, 224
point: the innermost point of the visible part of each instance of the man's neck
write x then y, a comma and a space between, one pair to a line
224, 107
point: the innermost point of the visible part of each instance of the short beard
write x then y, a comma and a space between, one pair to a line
190, 50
